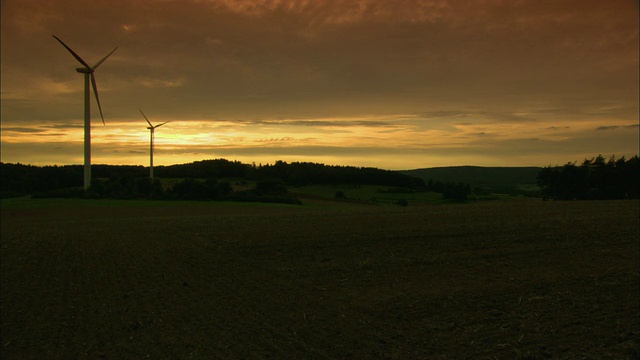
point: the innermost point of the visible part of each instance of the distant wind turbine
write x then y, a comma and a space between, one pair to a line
152, 130
89, 76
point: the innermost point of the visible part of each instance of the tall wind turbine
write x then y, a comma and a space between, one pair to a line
89, 76
152, 131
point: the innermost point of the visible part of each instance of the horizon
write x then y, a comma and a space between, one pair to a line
409, 85
325, 164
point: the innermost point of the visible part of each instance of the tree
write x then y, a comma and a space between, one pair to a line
594, 179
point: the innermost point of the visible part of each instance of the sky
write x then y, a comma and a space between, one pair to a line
400, 84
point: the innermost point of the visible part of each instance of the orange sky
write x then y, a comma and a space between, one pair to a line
390, 84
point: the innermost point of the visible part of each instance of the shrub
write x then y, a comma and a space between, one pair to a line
270, 187
402, 202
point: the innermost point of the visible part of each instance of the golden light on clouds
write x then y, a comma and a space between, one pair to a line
402, 84
185, 141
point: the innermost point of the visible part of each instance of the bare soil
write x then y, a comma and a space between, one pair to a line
497, 280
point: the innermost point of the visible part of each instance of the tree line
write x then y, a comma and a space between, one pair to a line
201, 180
594, 179
294, 174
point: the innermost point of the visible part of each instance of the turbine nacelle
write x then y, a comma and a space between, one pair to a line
84, 70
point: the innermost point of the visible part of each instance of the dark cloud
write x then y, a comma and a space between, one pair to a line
23, 130
64, 126
613, 127
607, 127
484, 115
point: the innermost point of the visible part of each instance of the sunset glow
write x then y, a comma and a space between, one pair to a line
414, 84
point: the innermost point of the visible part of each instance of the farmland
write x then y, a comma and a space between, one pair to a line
524, 278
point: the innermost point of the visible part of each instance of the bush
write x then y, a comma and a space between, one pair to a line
191, 189
402, 202
125, 188
459, 192
66, 193
270, 187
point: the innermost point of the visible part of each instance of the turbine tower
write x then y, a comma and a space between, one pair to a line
152, 130
89, 76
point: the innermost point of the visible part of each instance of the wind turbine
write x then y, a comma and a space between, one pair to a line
152, 130
89, 76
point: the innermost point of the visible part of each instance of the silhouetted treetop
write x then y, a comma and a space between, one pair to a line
594, 179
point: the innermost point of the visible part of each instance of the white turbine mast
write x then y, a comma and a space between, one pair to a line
152, 135
89, 77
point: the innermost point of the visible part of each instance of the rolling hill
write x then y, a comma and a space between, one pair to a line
494, 178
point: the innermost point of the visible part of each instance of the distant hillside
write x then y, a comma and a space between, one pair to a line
495, 178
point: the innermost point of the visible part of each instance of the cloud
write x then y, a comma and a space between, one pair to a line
613, 127
160, 83
339, 12
65, 126
607, 127
16, 132
411, 74
321, 123
29, 130
275, 140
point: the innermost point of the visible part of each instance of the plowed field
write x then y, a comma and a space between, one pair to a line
523, 279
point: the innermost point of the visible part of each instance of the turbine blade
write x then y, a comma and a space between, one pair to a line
162, 124
95, 91
73, 53
145, 117
103, 59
